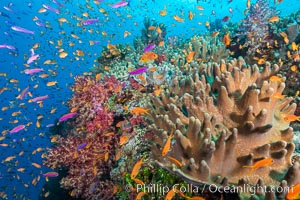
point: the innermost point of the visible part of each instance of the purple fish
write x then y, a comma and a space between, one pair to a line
33, 57
51, 174
3, 46
225, 19
89, 22
23, 93
40, 98
33, 71
67, 116
120, 4
138, 71
149, 47
40, 24
17, 129
49, 125
23, 30
58, 3
51, 9
81, 146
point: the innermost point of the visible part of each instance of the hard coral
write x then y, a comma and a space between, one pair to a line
217, 134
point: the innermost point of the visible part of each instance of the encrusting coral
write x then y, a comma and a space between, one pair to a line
222, 127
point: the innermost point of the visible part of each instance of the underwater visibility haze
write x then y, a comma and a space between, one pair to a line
191, 99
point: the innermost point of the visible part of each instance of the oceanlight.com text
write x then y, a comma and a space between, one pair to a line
250, 189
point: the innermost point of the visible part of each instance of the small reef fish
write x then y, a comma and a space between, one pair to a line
274, 19
215, 34
139, 111
140, 195
51, 9
5, 46
149, 47
191, 15
81, 146
23, 94
51, 83
190, 57
67, 116
167, 145
40, 98
120, 4
138, 71
36, 165
51, 174
148, 56
178, 19
174, 160
291, 118
226, 39
293, 192
225, 19
123, 140
262, 163
89, 22
276, 79
33, 57
17, 129
23, 30
136, 168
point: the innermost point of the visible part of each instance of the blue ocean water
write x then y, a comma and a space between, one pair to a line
48, 34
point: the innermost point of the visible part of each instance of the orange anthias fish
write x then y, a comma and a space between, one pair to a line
262, 163
140, 195
276, 79
139, 111
274, 19
191, 15
178, 19
148, 56
291, 118
174, 160
136, 168
190, 57
294, 192
167, 145
226, 39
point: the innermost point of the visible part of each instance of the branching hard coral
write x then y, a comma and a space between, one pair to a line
220, 128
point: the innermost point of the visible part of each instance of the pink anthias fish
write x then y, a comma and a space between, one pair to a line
33, 57
40, 98
23, 30
17, 129
67, 116
50, 8
149, 47
120, 4
51, 174
23, 93
33, 71
139, 71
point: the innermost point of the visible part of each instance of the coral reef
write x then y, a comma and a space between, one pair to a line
221, 127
